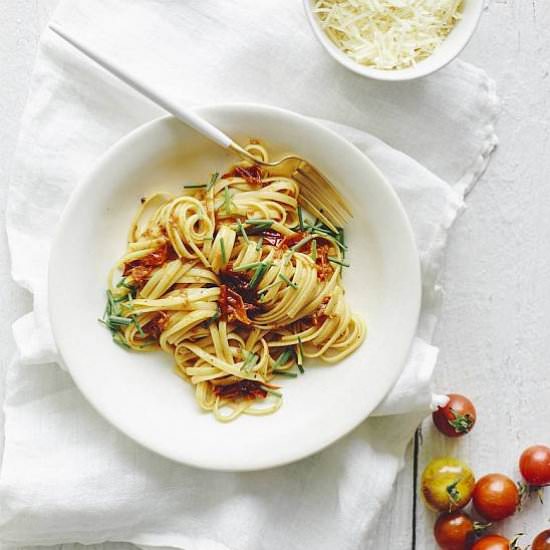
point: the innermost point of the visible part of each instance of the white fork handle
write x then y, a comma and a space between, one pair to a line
188, 117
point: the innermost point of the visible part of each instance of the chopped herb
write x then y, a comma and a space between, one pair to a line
259, 244
246, 267
138, 326
337, 261
243, 232
301, 243
340, 238
195, 186
119, 321
288, 281
314, 250
300, 218
131, 288
285, 373
249, 362
259, 224
226, 200
283, 358
213, 179
224, 255
300, 356
112, 307
258, 274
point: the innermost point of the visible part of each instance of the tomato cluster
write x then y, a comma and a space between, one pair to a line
448, 485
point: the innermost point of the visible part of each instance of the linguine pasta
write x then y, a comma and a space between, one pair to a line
232, 281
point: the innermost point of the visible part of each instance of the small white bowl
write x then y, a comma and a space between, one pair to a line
449, 49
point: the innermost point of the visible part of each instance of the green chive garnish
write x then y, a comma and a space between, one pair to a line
195, 186
138, 326
288, 281
117, 320
300, 218
337, 261
301, 243
243, 232
314, 250
250, 361
213, 179
285, 373
300, 356
246, 267
222, 248
258, 274
226, 200
259, 245
282, 359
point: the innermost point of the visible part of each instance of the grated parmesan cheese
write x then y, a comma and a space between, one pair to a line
388, 34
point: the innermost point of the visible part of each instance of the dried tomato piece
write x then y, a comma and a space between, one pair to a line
251, 174
239, 283
232, 305
141, 269
319, 316
243, 389
291, 240
324, 269
272, 237
156, 325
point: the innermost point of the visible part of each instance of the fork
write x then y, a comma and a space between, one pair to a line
317, 194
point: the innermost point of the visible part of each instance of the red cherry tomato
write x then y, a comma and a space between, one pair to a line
492, 542
454, 531
541, 541
534, 465
457, 417
496, 497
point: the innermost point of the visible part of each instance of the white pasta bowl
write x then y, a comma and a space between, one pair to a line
451, 47
139, 392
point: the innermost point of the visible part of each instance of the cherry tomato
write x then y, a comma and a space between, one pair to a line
492, 542
454, 531
496, 497
534, 465
541, 541
447, 484
457, 417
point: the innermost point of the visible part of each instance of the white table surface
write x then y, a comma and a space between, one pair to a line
493, 334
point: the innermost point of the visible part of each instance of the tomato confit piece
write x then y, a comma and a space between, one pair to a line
251, 174
140, 270
243, 389
271, 237
156, 325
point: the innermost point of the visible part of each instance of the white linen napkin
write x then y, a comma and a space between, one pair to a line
68, 476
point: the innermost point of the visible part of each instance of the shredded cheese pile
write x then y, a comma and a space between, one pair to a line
388, 34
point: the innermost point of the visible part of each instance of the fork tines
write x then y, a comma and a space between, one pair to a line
319, 196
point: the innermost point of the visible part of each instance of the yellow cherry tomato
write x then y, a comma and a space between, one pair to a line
447, 484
